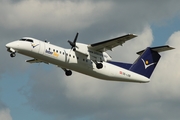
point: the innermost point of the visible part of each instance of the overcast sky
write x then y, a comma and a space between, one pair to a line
40, 91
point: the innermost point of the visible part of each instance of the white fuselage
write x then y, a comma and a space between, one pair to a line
81, 60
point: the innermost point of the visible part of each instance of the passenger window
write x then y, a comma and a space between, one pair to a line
54, 50
57, 51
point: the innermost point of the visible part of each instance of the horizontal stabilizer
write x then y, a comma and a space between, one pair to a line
158, 49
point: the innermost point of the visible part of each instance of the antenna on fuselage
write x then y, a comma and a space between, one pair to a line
46, 41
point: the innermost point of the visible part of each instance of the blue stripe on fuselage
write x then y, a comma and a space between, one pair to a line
120, 64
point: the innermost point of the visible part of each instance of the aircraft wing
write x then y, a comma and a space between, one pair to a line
109, 44
35, 61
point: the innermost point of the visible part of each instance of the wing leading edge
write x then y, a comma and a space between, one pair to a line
36, 61
109, 44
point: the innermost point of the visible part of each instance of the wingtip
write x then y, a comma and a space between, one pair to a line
171, 47
134, 35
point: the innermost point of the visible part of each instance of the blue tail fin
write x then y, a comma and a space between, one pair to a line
148, 60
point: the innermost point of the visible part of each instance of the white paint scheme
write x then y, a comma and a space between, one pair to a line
81, 60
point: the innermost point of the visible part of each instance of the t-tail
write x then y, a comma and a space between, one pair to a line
148, 60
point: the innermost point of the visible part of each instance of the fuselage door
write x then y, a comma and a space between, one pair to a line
42, 47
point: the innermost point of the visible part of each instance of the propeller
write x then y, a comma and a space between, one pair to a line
73, 44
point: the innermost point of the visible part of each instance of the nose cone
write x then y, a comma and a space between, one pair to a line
8, 45
11, 45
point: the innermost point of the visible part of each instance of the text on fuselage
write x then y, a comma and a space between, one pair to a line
55, 54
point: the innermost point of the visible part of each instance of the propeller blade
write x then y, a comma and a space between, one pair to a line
75, 39
71, 43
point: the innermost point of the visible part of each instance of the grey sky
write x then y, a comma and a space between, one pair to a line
79, 96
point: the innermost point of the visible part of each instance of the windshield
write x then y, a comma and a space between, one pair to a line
28, 40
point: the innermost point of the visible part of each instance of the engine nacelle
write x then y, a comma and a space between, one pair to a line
82, 48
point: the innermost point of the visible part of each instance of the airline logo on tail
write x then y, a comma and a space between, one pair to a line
146, 63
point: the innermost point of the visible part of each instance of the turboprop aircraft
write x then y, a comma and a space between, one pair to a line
90, 59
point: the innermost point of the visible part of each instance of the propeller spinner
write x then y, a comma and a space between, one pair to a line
73, 44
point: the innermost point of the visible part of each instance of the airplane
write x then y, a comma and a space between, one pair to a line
92, 59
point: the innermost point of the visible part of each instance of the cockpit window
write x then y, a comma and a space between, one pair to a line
28, 40
22, 39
